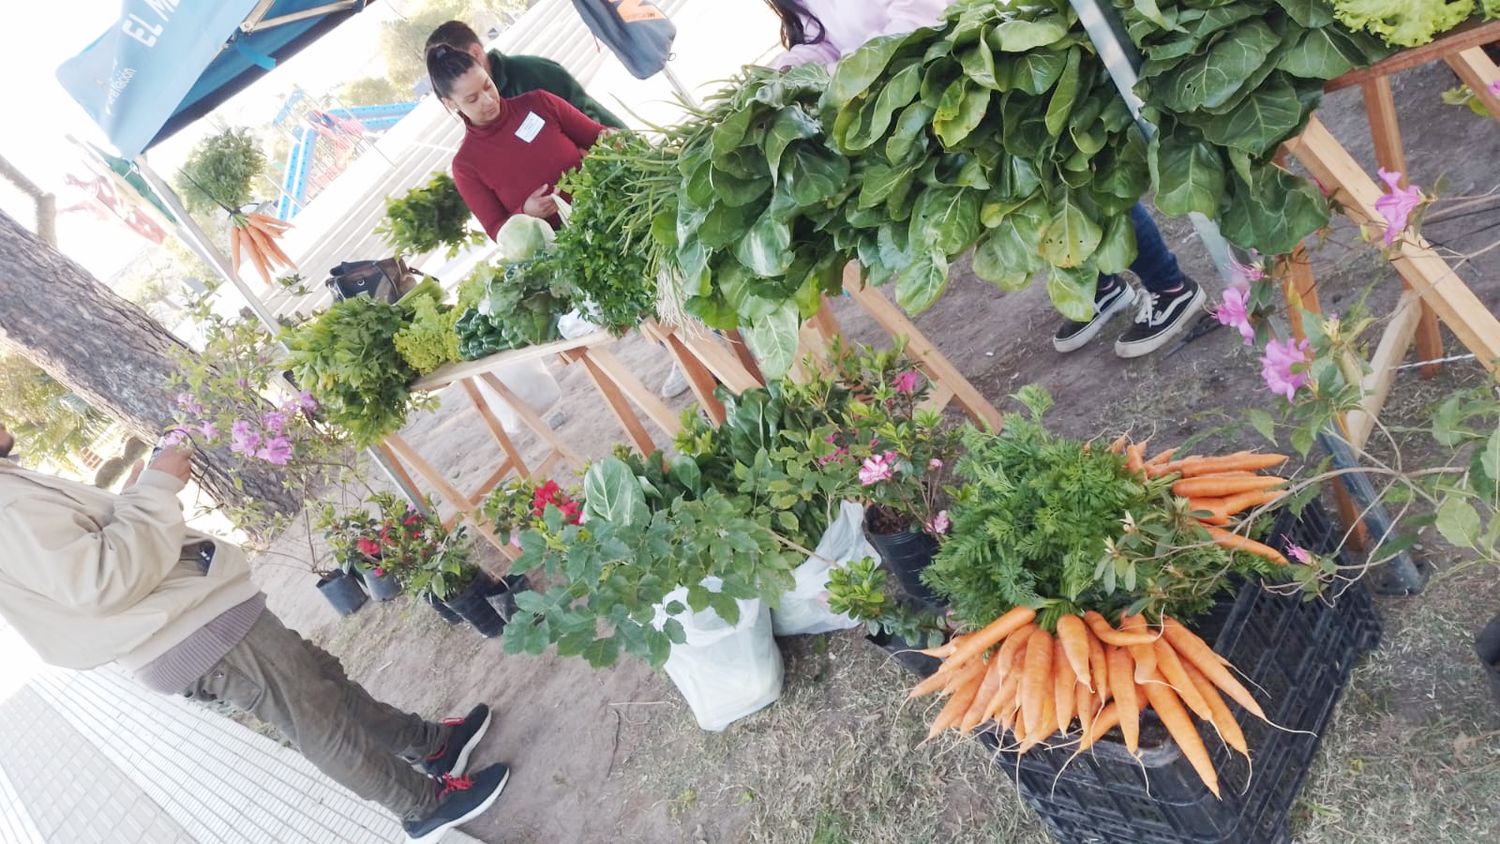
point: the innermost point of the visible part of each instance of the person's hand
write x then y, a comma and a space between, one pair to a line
541, 203
175, 460
135, 473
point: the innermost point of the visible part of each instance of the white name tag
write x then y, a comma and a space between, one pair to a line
530, 127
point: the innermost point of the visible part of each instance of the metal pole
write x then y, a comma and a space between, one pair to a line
1400, 575
197, 240
678, 85
1121, 60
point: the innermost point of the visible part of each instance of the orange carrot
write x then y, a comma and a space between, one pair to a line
1083, 704
1247, 461
1245, 500
1142, 655
1063, 681
1239, 542
1036, 678
1043, 729
1109, 718
1122, 685
1169, 709
1162, 457
1197, 652
1073, 634
1221, 486
1223, 719
1171, 668
1004, 660
1099, 668
1008, 698
1118, 445
957, 705
1099, 625
1214, 507
1135, 457
234, 249
988, 687
989, 635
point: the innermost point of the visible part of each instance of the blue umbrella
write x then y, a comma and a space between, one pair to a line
166, 64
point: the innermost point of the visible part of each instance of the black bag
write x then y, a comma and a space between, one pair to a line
638, 33
382, 280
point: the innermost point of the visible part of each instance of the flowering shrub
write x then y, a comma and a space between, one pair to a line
388, 535
523, 503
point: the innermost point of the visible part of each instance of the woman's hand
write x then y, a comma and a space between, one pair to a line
542, 203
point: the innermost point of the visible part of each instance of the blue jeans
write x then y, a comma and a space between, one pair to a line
1154, 263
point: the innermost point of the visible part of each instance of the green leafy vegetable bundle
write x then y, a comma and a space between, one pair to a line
430, 340
346, 356
428, 217
520, 307
221, 170
1051, 523
1409, 23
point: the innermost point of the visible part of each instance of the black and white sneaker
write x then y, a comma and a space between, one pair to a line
1073, 335
1161, 317
463, 736
460, 800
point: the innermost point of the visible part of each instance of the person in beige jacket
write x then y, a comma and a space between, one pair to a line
89, 577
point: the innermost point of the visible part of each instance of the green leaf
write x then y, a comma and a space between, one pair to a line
766, 249
730, 133
727, 607
1312, 14
979, 65
773, 339
910, 126
1261, 121
881, 180
1213, 78
1072, 292
947, 219
1020, 35
1009, 254
600, 653
854, 74
1458, 522
1188, 177
685, 471
1117, 249
1149, 10
896, 93
1261, 421
1071, 235
1032, 73
971, 112
611, 492
791, 124
1489, 456
1274, 214
920, 283
1320, 54
1065, 94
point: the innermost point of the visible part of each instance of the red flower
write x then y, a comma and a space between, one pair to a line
412, 519
379, 572
367, 546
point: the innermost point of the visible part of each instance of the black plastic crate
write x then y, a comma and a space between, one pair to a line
1296, 655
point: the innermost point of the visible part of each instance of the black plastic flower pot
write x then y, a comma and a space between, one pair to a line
906, 555
444, 611
343, 592
904, 653
1487, 643
502, 596
472, 604
382, 587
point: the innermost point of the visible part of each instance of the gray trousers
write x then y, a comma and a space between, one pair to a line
302, 690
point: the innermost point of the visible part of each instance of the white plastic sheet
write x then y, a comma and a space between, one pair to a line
805, 608
724, 671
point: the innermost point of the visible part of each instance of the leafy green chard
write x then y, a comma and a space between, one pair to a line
519, 306
1054, 524
428, 217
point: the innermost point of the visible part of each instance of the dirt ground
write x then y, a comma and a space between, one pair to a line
1413, 753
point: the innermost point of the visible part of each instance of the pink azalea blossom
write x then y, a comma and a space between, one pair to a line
306, 402
209, 430
934, 464
1300, 554
189, 404
277, 451
243, 383
906, 382
1276, 366
243, 437
1235, 311
1397, 205
939, 524
174, 437
274, 421
1495, 88
1247, 273
877, 468
836, 457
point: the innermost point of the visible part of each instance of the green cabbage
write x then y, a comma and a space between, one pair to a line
523, 238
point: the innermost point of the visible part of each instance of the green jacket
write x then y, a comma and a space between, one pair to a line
514, 75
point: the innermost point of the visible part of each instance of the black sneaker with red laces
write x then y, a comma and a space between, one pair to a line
460, 800
463, 736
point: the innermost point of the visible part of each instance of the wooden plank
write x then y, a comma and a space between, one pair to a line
1390, 153
1463, 38
445, 487
1405, 320
615, 400
1479, 73
488, 484
530, 417
699, 379
450, 372
943, 373
396, 466
1427, 273
825, 321
742, 353
502, 439
718, 360
647, 400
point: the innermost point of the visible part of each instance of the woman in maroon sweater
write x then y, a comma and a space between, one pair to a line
514, 150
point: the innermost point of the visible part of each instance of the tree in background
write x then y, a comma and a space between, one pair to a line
371, 91
401, 41
48, 420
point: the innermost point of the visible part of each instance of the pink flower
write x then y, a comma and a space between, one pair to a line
174, 437
1246, 273
1495, 88
877, 468
243, 383
939, 524
934, 464
209, 430
367, 546
836, 457
244, 438
1235, 311
379, 572
1298, 553
1397, 205
515, 539
1278, 364
906, 382
276, 451
189, 404
274, 421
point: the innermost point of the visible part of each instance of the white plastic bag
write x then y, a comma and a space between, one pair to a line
575, 324
532, 384
724, 671
805, 608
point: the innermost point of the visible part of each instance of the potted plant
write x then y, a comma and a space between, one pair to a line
341, 587
861, 590
354, 538
436, 562
680, 582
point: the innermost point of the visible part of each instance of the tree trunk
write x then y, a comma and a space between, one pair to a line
111, 354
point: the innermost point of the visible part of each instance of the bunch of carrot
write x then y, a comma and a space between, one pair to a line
1219, 487
255, 235
1034, 684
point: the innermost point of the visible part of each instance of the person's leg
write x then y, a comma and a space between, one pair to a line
1112, 296
1169, 299
280, 678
